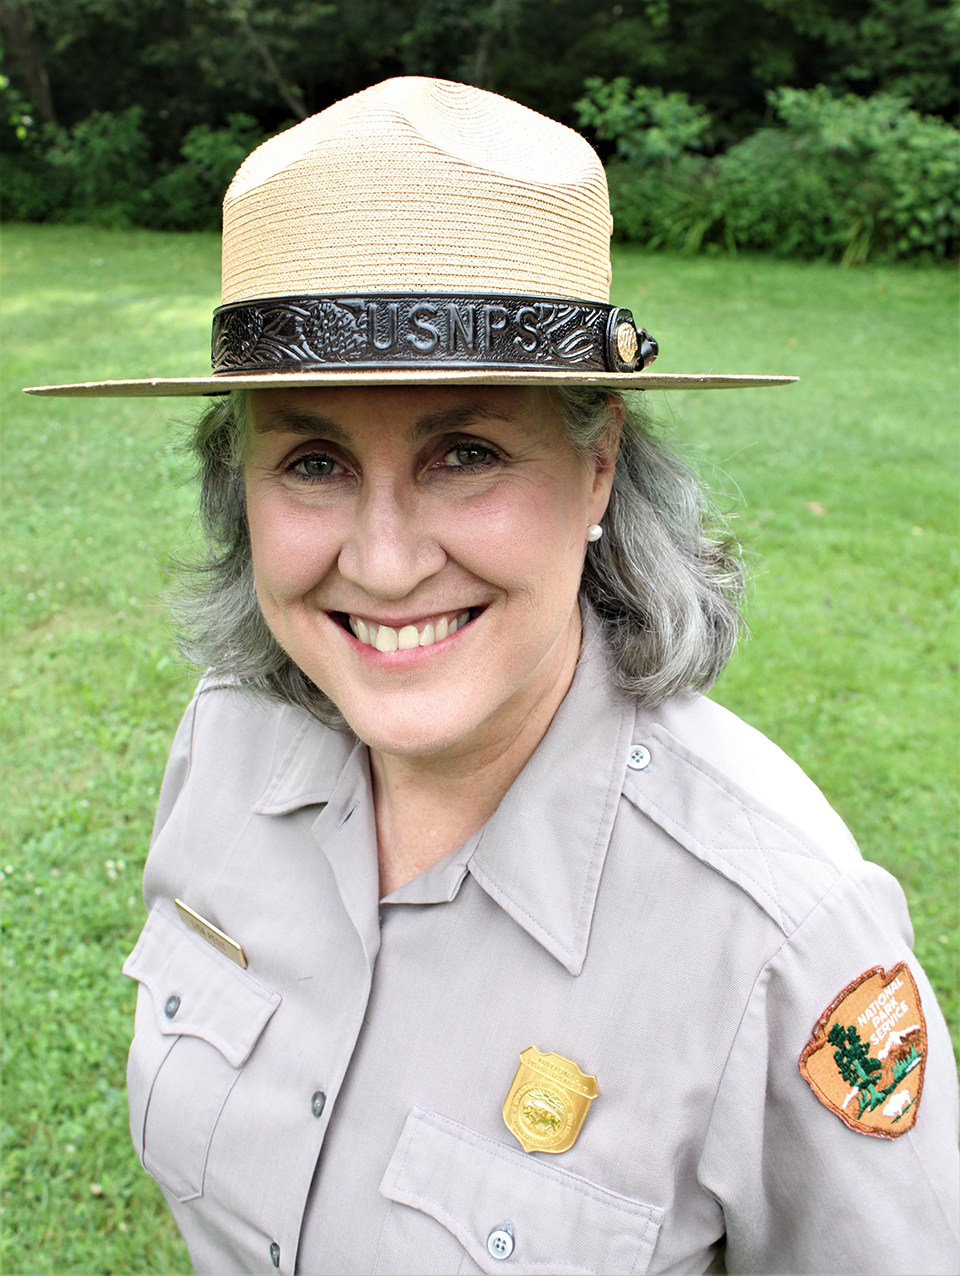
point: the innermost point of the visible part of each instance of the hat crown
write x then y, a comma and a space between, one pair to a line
419, 185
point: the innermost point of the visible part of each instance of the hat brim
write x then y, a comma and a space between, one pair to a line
174, 387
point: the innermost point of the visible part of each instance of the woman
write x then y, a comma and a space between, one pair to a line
477, 939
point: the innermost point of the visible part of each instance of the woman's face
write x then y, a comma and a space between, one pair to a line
418, 552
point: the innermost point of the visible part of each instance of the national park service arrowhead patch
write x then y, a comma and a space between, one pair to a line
866, 1057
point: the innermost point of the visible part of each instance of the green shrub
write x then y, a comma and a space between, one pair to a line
647, 125
106, 161
101, 171
676, 208
190, 195
849, 178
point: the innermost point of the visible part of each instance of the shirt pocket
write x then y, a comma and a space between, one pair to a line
198, 1017
558, 1223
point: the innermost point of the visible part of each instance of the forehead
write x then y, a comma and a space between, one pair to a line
415, 412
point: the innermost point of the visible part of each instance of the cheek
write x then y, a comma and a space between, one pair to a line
527, 538
291, 549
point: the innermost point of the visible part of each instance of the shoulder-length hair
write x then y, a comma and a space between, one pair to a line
665, 580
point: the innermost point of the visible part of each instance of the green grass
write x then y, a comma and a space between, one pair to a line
851, 667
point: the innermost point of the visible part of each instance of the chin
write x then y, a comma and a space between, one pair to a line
410, 730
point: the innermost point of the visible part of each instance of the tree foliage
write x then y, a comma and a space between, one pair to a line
690, 79
843, 177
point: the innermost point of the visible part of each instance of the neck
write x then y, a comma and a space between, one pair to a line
428, 806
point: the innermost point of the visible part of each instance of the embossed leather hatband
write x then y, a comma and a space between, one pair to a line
417, 330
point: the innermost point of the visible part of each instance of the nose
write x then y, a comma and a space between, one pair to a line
388, 551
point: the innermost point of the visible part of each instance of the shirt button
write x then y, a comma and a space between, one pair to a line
171, 1006
317, 1103
275, 1253
639, 758
500, 1243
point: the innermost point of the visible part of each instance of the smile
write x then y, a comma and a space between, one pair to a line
423, 633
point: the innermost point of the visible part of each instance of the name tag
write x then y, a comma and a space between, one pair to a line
206, 930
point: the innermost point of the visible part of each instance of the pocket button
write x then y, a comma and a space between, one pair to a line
171, 1006
500, 1243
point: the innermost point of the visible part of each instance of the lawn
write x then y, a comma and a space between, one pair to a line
842, 488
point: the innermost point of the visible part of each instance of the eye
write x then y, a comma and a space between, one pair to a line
469, 456
315, 465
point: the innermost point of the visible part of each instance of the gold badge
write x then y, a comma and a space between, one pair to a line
548, 1101
206, 930
866, 1057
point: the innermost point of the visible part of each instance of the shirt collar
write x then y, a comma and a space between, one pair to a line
541, 855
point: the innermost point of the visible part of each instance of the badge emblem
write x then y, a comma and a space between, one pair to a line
548, 1101
866, 1057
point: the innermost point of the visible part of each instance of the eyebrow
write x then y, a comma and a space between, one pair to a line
442, 421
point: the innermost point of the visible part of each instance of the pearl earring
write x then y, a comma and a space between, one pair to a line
594, 532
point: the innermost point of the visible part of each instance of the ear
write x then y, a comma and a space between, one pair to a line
604, 458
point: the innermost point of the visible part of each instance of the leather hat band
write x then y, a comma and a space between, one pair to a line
417, 330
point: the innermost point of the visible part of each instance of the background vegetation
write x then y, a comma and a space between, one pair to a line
844, 492
805, 127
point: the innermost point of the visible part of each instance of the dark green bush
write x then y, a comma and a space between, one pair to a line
849, 178
106, 162
189, 196
101, 170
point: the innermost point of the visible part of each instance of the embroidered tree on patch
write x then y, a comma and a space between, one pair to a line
856, 1067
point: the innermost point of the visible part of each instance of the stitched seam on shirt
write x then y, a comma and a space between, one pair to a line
720, 856
599, 847
738, 799
787, 940
443, 1214
641, 1248
284, 764
265, 996
642, 1211
537, 924
763, 855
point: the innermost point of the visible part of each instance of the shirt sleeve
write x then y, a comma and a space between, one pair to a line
178, 766
800, 1191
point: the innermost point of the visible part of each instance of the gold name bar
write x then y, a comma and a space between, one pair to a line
206, 930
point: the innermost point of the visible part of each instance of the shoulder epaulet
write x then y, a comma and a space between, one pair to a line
726, 827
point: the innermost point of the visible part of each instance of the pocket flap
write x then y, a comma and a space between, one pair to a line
219, 1002
562, 1224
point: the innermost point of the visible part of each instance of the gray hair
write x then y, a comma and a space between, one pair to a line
665, 580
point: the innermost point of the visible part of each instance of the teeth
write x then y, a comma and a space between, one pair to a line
386, 638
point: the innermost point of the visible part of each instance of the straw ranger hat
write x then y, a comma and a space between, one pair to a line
420, 232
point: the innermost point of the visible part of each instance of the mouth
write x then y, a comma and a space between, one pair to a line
421, 633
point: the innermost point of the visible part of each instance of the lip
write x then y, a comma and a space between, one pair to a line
343, 620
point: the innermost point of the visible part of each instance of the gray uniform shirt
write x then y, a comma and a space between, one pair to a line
676, 931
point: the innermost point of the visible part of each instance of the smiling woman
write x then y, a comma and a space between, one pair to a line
419, 514
478, 938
